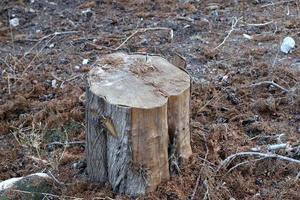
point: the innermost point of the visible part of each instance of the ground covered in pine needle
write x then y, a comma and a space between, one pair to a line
245, 97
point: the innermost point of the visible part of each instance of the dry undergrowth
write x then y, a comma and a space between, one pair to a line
245, 96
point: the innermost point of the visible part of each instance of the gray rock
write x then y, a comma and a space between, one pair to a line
33, 186
14, 22
287, 45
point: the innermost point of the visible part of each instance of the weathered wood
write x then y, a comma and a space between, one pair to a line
137, 118
178, 123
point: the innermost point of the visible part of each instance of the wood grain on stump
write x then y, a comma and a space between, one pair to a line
137, 121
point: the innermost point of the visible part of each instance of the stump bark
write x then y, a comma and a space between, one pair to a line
137, 121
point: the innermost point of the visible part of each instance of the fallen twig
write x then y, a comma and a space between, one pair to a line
52, 35
8, 84
243, 163
54, 178
264, 155
210, 164
67, 143
48, 194
270, 83
196, 187
82, 97
128, 38
142, 30
260, 24
67, 80
275, 59
185, 18
39, 160
199, 176
98, 47
277, 137
47, 36
271, 147
233, 25
209, 101
206, 195
297, 177
277, 3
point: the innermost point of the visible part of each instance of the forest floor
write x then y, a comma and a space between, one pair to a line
246, 93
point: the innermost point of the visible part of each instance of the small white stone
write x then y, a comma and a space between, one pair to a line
53, 83
86, 11
171, 34
51, 45
225, 78
75, 165
77, 67
249, 37
14, 22
52, 3
85, 61
287, 45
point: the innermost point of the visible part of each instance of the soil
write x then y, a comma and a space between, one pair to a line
231, 49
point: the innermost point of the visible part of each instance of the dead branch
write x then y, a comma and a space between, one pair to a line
185, 18
142, 30
52, 35
275, 60
205, 160
55, 179
260, 24
277, 137
128, 38
47, 36
38, 160
233, 25
243, 163
98, 47
270, 83
67, 143
264, 155
196, 187
8, 84
206, 195
209, 164
271, 147
214, 98
67, 80
48, 194
277, 3
82, 97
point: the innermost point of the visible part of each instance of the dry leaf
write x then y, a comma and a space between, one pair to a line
109, 125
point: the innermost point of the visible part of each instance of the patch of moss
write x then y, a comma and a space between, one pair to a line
73, 127
58, 134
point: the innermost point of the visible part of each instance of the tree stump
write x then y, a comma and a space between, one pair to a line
137, 121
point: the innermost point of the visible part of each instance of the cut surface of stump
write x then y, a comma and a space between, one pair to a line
137, 121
